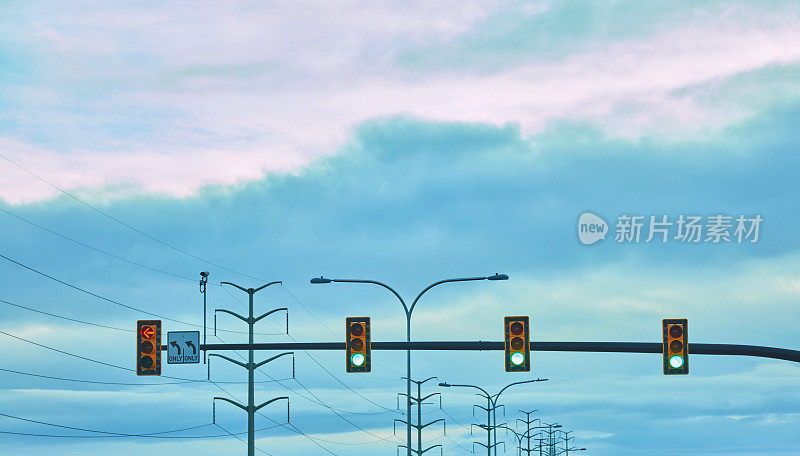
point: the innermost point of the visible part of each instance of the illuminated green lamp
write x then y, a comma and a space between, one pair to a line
357, 359
517, 358
676, 361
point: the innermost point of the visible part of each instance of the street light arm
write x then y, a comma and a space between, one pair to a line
265, 286
375, 282
485, 394
465, 279
233, 284
518, 383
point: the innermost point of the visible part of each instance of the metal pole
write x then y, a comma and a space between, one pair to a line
251, 406
203, 282
488, 425
204, 322
494, 426
419, 418
408, 381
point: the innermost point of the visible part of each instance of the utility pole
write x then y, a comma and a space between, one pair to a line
251, 366
527, 433
551, 441
419, 401
487, 426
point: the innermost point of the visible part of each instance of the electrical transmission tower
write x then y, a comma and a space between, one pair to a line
527, 434
251, 366
489, 427
419, 401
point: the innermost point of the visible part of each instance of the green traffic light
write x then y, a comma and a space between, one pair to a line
357, 359
517, 358
676, 361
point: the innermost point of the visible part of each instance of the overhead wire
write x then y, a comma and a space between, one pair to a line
186, 380
293, 428
112, 301
63, 317
110, 434
386, 410
109, 216
166, 245
95, 431
240, 439
83, 244
298, 301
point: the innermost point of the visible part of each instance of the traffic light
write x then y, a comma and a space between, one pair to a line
518, 348
148, 347
676, 346
358, 344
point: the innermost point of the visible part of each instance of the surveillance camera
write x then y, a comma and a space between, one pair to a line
204, 274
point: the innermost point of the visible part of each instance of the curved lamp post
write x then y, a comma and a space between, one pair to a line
408, 311
492, 402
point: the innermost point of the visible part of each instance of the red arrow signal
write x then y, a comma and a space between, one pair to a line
147, 332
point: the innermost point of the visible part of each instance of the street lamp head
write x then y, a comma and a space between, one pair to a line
446, 385
320, 279
204, 274
498, 277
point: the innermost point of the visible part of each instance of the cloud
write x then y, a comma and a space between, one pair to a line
170, 99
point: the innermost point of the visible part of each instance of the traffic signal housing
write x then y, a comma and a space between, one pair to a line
518, 344
148, 347
359, 349
676, 346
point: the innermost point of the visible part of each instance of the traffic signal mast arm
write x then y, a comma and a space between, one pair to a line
591, 347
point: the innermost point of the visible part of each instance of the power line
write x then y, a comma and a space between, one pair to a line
149, 434
105, 214
75, 287
90, 359
293, 427
184, 380
110, 434
318, 401
321, 366
95, 294
91, 381
94, 248
64, 318
76, 380
240, 439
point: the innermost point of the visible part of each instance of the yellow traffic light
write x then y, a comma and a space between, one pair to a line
148, 347
359, 347
517, 342
676, 346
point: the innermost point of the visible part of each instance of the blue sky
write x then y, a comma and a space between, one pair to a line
403, 143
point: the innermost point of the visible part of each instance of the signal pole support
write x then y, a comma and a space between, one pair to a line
203, 282
251, 366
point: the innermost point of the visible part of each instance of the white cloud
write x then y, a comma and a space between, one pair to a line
272, 87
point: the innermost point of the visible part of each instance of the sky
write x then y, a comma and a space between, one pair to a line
406, 142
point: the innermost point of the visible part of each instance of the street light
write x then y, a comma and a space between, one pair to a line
490, 412
408, 310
